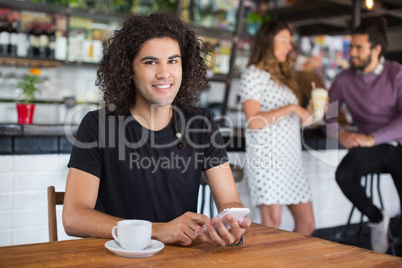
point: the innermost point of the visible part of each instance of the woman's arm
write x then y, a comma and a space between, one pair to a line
257, 119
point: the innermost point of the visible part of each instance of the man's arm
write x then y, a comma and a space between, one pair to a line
81, 219
353, 139
223, 188
392, 131
79, 216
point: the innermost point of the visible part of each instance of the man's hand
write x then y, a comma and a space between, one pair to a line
352, 139
188, 227
180, 230
217, 234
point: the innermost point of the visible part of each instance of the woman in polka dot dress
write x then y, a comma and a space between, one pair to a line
270, 98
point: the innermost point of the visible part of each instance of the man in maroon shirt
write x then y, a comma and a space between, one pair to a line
372, 92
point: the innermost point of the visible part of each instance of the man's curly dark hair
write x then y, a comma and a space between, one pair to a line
115, 69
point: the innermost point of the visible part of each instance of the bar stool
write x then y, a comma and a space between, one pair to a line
367, 181
204, 184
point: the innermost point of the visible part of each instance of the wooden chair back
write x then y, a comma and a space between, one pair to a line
53, 198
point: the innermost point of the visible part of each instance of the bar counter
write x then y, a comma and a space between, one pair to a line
49, 139
18, 139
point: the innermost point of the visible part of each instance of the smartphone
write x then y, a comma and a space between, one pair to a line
237, 213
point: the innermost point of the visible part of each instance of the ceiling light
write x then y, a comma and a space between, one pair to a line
369, 4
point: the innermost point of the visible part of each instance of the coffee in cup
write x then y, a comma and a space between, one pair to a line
319, 96
133, 234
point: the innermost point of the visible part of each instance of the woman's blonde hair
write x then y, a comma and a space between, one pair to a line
262, 55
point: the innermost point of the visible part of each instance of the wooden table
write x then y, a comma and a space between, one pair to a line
264, 246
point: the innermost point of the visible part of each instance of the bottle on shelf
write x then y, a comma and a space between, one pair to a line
79, 39
52, 41
72, 47
33, 40
75, 46
13, 44
4, 37
88, 55
43, 41
22, 45
60, 50
97, 46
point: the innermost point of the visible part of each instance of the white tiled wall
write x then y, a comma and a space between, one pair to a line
23, 196
24, 181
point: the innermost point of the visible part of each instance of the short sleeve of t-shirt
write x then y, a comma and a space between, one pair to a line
215, 152
250, 84
86, 154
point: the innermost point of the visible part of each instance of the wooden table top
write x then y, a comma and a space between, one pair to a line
264, 246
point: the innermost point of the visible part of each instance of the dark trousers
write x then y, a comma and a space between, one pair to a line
360, 161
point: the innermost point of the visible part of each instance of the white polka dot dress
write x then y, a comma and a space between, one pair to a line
273, 167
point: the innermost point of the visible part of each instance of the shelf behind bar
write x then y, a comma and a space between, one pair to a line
33, 62
46, 101
219, 78
46, 63
35, 101
211, 32
60, 9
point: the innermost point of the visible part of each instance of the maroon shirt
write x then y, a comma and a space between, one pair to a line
374, 100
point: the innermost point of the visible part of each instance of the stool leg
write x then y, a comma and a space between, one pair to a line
202, 198
379, 191
366, 180
340, 235
392, 242
211, 205
398, 226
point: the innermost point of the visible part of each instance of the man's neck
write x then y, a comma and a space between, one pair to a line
371, 67
154, 118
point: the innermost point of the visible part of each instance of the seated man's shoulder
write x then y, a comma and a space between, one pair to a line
395, 68
344, 75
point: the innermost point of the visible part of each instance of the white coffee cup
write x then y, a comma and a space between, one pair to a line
133, 234
319, 96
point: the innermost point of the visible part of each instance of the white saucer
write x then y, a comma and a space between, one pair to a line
153, 247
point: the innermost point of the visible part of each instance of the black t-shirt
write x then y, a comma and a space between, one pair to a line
143, 174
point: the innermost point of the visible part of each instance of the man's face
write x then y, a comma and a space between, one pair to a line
157, 72
360, 52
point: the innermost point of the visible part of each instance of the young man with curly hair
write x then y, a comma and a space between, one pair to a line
141, 156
